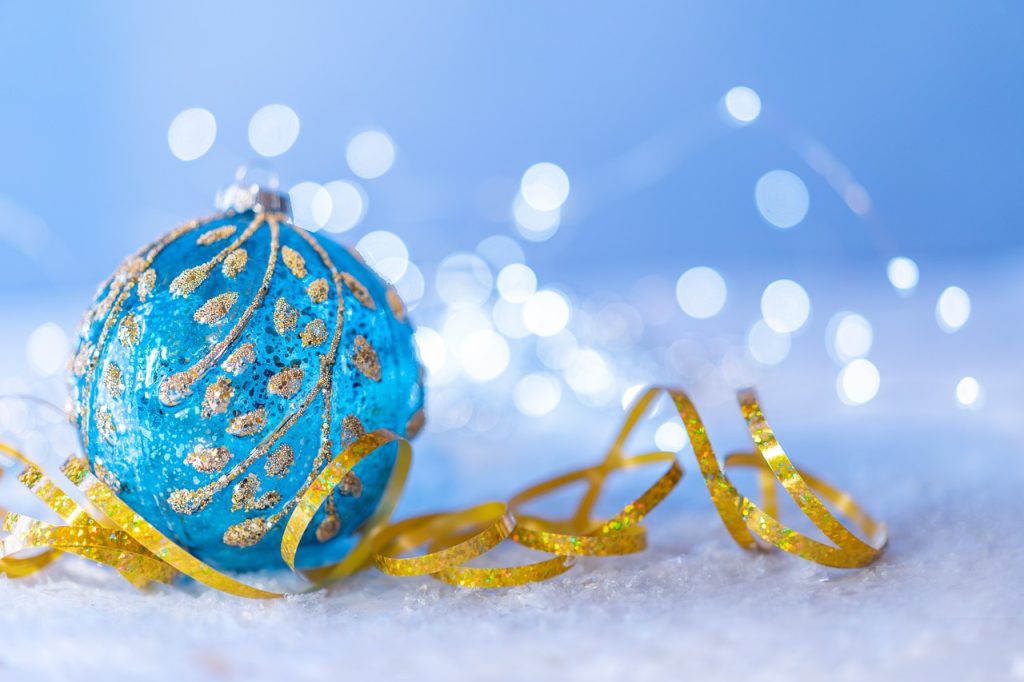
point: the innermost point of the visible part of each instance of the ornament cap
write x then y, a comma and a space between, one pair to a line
254, 189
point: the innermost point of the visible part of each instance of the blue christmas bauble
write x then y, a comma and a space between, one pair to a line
224, 365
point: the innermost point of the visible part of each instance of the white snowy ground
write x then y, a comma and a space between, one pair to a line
945, 602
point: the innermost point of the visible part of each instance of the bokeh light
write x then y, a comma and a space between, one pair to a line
671, 436
767, 346
589, 375
537, 394
701, 292
968, 392
463, 279
533, 224
516, 283
785, 306
273, 130
47, 349
557, 351
431, 348
743, 104
192, 133
508, 319
544, 186
546, 313
849, 336
370, 154
411, 286
858, 382
311, 205
386, 253
953, 309
499, 251
348, 206
484, 355
903, 273
782, 198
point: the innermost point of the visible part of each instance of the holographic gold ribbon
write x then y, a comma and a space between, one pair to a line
112, 533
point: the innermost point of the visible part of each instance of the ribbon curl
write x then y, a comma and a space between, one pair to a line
112, 533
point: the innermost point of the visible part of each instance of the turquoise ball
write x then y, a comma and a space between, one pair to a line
223, 366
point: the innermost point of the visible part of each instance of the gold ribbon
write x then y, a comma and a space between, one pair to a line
110, 532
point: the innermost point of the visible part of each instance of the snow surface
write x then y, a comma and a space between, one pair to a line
945, 601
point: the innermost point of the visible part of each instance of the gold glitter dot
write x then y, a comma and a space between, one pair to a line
218, 396
176, 387
189, 501
107, 476
395, 301
317, 290
280, 461
105, 425
314, 334
216, 235
128, 331
112, 380
361, 293
146, 283
286, 383
244, 495
329, 527
294, 260
247, 533
235, 263
216, 308
285, 316
190, 279
208, 460
242, 357
351, 430
365, 358
351, 485
415, 424
248, 423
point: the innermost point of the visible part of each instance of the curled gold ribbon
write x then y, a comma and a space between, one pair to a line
110, 532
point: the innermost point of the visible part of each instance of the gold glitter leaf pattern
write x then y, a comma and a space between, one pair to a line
147, 281
176, 387
112, 380
235, 263
242, 357
285, 316
249, 423
286, 383
415, 424
244, 495
218, 396
215, 235
395, 301
351, 485
361, 293
247, 533
189, 501
280, 461
317, 290
365, 358
331, 524
105, 425
190, 279
314, 334
128, 331
294, 260
208, 460
216, 308
352, 429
